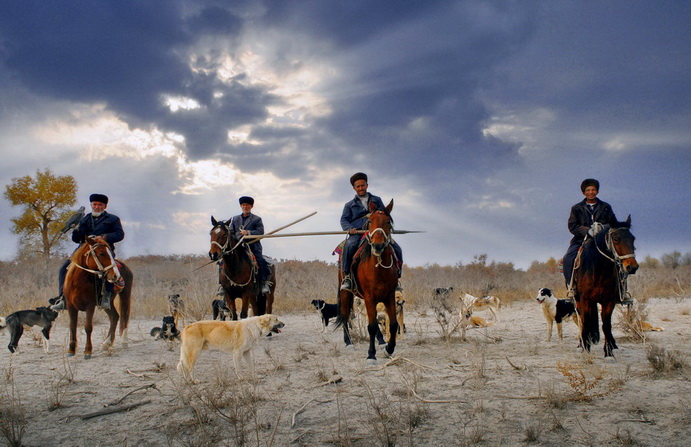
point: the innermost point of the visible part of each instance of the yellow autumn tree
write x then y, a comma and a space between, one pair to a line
47, 200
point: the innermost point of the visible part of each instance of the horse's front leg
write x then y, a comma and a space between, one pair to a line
610, 344
74, 315
373, 329
393, 325
88, 329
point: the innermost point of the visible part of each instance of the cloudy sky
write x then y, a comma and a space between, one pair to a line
479, 118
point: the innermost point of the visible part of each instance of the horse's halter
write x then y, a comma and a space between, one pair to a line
387, 241
101, 272
224, 248
616, 258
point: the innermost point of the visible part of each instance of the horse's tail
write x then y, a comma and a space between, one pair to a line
125, 296
591, 331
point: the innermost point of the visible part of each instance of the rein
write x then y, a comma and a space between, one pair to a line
225, 251
616, 259
101, 270
387, 242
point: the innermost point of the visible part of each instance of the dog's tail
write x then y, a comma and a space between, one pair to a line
3, 323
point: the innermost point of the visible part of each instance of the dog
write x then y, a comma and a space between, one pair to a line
236, 337
556, 311
326, 311
168, 331
41, 316
177, 308
647, 327
221, 310
489, 302
478, 321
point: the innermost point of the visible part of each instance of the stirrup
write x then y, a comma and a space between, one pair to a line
106, 301
570, 294
347, 284
59, 303
266, 287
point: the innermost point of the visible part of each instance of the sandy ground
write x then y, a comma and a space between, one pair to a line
502, 386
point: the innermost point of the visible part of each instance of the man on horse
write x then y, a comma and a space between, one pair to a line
586, 219
245, 224
354, 218
97, 223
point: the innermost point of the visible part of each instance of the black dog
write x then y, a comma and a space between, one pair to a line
168, 332
221, 310
42, 316
326, 310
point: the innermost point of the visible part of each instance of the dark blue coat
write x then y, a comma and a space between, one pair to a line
354, 213
253, 224
581, 218
106, 225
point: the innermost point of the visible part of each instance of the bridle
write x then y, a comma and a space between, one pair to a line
224, 247
226, 251
101, 272
617, 259
387, 242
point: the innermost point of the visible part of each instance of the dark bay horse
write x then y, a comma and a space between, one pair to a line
375, 278
91, 264
605, 262
238, 274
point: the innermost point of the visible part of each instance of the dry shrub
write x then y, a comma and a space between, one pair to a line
587, 382
665, 361
13, 419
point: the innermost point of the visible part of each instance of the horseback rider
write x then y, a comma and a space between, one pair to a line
586, 219
354, 218
97, 223
250, 224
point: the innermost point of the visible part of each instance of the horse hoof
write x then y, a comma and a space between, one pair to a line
371, 362
87, 356
70, 354
579, 350
350, 347
610, 359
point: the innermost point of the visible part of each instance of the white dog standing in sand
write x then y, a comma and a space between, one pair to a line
234, 337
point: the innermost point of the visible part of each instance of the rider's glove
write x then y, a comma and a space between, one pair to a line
595, 229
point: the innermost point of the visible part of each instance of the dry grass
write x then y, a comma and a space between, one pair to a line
29, 283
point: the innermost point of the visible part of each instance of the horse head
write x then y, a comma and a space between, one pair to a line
220, 238
379, 228
620, 242
98, 258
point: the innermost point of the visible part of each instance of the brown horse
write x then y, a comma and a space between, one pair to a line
91, 264
605, 262
238, 273
375, 278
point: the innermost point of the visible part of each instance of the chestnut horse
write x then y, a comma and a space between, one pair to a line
605, 262
375, 278
91, 264
237, 274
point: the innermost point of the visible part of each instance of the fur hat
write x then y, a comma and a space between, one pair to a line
246, 199
358, 176
590, 182
98, 198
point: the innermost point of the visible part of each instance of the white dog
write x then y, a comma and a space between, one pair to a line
236, 337
556, 311
489, 302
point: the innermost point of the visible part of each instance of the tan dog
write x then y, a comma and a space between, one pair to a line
382, 316
647, 327
478, 321
489, 302
236, 337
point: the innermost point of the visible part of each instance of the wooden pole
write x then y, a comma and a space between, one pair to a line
321, 233
281, 228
